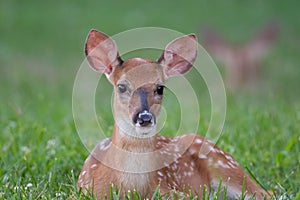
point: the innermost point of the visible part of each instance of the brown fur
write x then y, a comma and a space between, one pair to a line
136, 158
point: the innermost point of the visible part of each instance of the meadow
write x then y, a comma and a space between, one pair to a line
41, 49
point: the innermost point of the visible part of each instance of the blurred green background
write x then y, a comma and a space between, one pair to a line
41, 49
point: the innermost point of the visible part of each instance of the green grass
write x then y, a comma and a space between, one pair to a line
41, 48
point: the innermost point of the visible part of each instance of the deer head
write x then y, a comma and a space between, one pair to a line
138, 83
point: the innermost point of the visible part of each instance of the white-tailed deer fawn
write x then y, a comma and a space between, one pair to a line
136, 158
242, 62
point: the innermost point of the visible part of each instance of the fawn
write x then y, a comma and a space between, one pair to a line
242, 62
136, 158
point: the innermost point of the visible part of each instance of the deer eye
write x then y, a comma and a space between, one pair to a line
122, 88
160, 89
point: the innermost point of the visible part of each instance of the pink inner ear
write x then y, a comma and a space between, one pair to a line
179, 55
101, 52
98, 65
178, 68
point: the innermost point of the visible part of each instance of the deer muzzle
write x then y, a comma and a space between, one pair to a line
143, 117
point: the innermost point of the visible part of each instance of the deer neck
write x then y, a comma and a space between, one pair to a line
135, 163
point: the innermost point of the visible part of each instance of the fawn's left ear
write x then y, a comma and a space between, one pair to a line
179, 55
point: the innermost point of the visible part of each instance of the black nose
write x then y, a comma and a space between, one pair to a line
144, 118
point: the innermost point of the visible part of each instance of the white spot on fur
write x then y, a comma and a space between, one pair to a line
210, 161
104, 144
202, 156
176, 148
198, 141
93, 166
232, 165
231, 160
193, 164
160, 173
191, 168
222, 152
163, 138
212, 149
222, 164
179, 177
184, 173
192, 151
174, 183
174, 167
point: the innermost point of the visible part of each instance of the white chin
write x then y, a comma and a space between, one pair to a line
145, 131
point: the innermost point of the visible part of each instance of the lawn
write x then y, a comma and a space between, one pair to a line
41, 49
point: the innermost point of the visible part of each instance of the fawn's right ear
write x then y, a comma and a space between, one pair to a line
101, 52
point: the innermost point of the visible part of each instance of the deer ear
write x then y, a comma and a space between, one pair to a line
101, 52
263, 40
179, 55
215, 44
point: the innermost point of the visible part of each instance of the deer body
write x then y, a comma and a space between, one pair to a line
242, 62
136, 158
